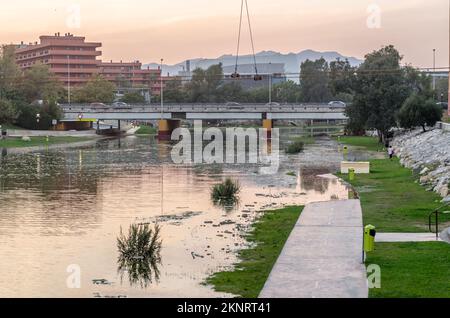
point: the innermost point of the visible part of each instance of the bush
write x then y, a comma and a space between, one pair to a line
295, 147
140, 253
419, 111
225, 192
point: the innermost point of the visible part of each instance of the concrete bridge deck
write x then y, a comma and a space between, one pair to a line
207, 112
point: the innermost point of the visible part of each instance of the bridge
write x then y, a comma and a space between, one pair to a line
170, 114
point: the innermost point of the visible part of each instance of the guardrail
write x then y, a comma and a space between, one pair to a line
436, 213
316, 108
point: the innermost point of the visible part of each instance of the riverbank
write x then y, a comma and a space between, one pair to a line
427, 155
268, 237
394, 201
16, 142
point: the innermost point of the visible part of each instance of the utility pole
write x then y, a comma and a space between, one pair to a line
68, 79
434, 69
162, 91
270, 83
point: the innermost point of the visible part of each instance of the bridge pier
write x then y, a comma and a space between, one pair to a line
268, 124
166, 127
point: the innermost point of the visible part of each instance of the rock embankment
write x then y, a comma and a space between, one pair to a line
428, 155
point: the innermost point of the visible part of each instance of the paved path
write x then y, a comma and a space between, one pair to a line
405, 237
322, 257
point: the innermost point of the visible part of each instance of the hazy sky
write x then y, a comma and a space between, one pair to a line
182, 29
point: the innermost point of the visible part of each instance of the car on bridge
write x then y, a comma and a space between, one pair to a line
98, 105
337, 104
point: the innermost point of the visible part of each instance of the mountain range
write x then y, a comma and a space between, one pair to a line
292, 61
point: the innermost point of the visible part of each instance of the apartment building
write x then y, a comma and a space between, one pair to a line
70, 57
75, 61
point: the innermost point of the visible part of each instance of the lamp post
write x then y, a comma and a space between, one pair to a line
270, 83
162, 91
68, 79
434, 69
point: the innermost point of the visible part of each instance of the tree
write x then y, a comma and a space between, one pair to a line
8, 113
96, 90
174, 92
133, 98
419, 111
9, 71
39, 83
286, 92
204, 85
381, 88
342, 80
314, 81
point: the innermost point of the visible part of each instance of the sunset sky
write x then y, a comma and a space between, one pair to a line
181, 29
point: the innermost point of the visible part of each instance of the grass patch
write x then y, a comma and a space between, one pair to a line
39, 141
146, 130
270, 234
368, 143
392, 200
291, 174
412, 269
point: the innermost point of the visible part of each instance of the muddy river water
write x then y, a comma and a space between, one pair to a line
62, 210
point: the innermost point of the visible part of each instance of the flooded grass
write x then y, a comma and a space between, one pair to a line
268, 237
140, 254
412, 270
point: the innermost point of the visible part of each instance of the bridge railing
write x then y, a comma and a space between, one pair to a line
204, 108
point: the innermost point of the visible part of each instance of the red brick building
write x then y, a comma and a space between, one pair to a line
74, 61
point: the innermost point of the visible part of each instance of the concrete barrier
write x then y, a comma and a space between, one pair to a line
360, 167
443, 126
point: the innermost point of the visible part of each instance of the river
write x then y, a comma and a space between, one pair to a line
63, 209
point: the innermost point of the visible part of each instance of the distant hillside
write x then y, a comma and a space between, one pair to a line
292, 61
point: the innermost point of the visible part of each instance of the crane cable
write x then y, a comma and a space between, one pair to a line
239, 38
236, 74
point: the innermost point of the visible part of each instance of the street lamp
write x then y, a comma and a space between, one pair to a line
270, 83
68, 79
162, 91
38, 118
434, 69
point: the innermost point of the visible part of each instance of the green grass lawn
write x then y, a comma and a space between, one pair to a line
39, 141
250, 274
392, 200
146, 130
412, 269
368, 143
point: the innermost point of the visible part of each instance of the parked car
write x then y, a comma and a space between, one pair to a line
444, 105
335, 103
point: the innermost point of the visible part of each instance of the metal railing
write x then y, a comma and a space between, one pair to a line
435, 214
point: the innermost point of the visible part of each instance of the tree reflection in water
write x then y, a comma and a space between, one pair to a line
140, 254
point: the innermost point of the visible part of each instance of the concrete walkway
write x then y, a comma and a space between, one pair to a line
322, 256
405, 237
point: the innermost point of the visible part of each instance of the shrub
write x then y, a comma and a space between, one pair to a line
140, 253
295, 147
225, 192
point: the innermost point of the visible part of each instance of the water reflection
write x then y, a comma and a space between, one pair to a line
140, 254
64, 206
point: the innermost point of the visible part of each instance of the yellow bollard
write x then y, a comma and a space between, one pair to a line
351, 174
